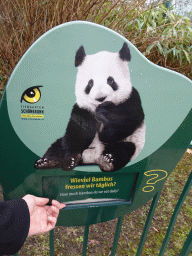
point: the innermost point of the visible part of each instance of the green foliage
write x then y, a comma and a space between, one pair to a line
174, 33
155, 30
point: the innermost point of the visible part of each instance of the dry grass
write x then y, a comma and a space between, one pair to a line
22, 22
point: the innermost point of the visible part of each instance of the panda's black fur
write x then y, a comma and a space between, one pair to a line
105, 132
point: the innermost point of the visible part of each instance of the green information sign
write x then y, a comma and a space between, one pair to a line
79, 190
88, 120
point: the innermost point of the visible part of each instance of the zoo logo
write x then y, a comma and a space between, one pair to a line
32, 95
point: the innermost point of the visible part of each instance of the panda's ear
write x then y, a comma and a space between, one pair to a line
80, 55
124, 53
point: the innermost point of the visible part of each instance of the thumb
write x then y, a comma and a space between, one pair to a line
41, 201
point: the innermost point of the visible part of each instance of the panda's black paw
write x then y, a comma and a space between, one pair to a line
44, 163
66, 163
108, 158
106, 163
104, 112
107, 105
70, 163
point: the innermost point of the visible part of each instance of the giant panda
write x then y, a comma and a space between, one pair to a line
107, 125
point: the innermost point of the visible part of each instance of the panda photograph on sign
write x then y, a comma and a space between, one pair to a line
107, 123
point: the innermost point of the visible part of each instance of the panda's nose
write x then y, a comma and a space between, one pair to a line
101, 99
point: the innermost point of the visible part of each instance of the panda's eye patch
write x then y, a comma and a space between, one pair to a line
89, 86
112, 83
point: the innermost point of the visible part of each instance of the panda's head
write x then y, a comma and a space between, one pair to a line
101, 77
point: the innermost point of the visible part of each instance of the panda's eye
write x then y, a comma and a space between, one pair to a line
89, 86
112, 83
110, 80
31, 95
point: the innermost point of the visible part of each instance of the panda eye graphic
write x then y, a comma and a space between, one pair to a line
110, 80
32, 95
112, 83
89, 86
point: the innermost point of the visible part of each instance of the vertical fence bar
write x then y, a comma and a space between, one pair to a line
116, 236
187, 247
51, 242
85, 240
175, 213
148, 222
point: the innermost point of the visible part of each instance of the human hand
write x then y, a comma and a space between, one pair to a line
43, 218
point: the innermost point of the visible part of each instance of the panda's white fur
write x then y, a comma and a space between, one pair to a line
138, 138
99, 67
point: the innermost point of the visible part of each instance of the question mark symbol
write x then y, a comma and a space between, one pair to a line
156, 175
114, 183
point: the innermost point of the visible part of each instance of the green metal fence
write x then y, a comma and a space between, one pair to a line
187, 247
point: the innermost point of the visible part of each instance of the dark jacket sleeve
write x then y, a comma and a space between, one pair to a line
14, 225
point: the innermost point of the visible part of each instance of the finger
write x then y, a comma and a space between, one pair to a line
52, 211
55, 211
49, 211
51, 223
62, 205
57, 204
41, 201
